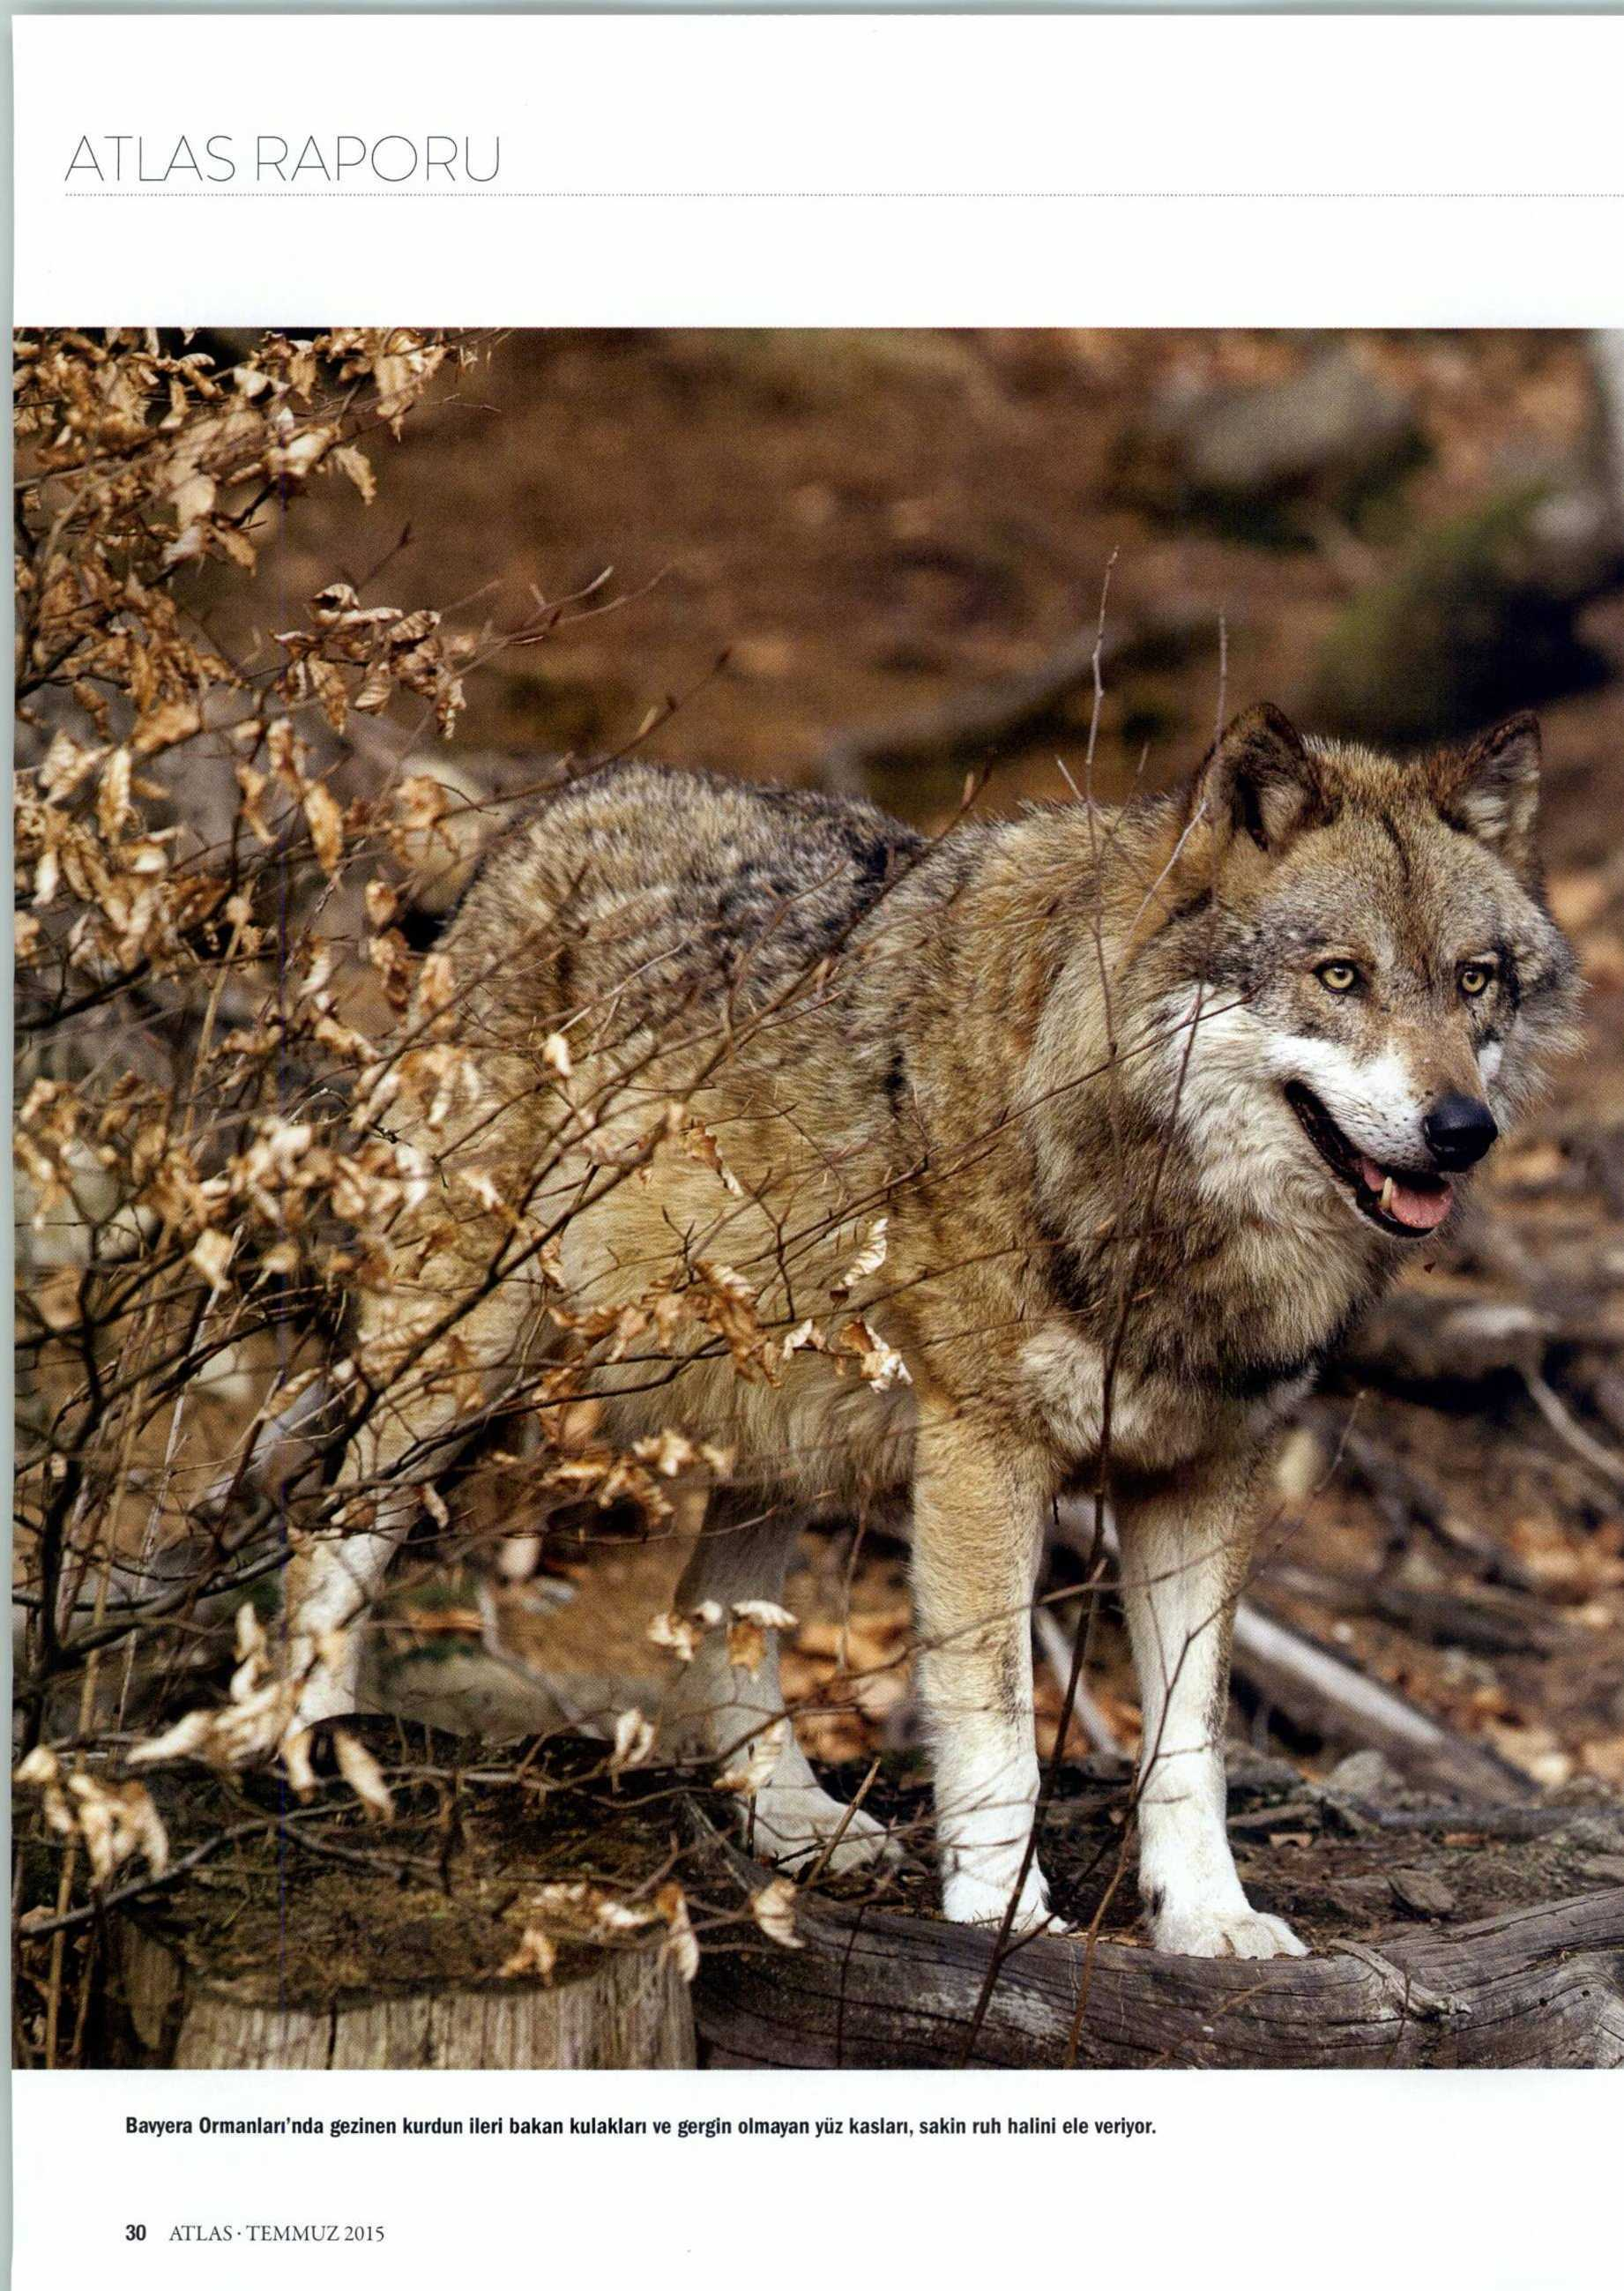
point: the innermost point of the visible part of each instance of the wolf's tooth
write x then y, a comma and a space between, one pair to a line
1386, 1194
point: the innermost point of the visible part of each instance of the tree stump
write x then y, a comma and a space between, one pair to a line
623, 2009
305, 1935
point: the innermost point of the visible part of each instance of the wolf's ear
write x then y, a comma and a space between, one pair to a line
1491, 788
1260, 781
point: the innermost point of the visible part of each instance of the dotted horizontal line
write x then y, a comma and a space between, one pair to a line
334, 194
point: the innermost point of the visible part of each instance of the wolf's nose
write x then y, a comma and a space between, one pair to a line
1458, 1130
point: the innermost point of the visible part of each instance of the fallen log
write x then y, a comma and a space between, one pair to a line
1321, 1693
1538, 1987
1482, 1621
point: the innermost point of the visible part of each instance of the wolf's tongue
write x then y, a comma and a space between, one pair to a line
1419, 1207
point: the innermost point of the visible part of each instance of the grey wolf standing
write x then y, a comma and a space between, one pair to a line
1151, 1102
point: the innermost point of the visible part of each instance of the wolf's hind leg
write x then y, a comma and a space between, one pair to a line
716, 1708
410, 1435
1183, 1558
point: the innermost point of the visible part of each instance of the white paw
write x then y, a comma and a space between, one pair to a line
971, 1897
1202, 1930
794, 1827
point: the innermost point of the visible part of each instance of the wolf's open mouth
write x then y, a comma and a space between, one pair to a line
1407, 1201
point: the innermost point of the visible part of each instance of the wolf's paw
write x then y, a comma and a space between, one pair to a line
794, 1828
971, 1898
1203, 1931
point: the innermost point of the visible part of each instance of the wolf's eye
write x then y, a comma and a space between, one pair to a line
1338, 978
1475, 977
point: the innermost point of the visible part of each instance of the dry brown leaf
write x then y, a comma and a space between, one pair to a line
773, 1907
682, 1633
752, 1619
364, 1774
537, 1952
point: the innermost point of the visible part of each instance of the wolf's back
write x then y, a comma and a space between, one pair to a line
660, 892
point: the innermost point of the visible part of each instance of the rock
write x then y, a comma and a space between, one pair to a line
1106, 1766
1365, 1774
1260, 462
441, 847
1252, 1773
1420, 1891
1595, 1832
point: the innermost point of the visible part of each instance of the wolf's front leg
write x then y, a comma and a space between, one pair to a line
979, 1506
1184, 1557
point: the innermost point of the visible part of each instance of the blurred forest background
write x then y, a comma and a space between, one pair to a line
878, 563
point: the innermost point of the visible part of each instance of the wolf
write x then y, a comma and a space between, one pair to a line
1150, 1101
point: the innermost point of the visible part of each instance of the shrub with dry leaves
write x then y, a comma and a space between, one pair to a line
221, 997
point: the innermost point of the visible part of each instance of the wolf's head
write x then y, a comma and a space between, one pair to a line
1379, 980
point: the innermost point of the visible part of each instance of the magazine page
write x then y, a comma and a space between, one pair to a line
819, 1208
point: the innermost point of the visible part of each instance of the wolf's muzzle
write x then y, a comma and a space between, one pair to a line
1458, 1130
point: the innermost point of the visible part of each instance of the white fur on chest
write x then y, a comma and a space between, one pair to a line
1155, 1425
1064, 1378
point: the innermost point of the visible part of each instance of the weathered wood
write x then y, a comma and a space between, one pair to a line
627, 2009
1483, 1621
1329, 1697
1540, 1988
